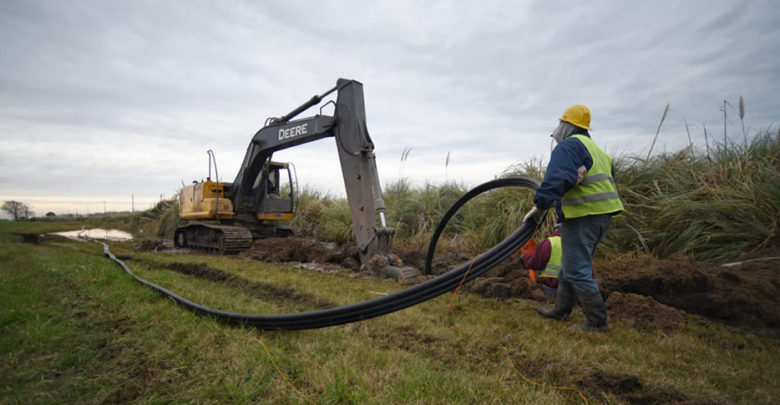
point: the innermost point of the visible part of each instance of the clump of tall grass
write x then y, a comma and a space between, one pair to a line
415, 212
712, 207
160, 220
336, 223
322, 216
169, 219
310, 207
496, 214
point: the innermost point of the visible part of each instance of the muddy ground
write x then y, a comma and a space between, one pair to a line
648, 293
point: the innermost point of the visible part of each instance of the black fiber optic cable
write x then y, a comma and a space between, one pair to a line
386, 304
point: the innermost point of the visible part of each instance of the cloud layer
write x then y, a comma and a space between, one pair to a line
103, 100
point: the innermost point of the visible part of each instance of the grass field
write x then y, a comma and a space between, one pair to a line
78, 329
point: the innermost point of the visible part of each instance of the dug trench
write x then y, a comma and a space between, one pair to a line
259, 290
648, 293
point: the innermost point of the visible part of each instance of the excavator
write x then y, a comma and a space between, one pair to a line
227, 217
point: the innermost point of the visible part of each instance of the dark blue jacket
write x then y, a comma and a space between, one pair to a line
561, 173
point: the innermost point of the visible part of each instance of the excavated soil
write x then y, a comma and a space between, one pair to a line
745, 295
303, 250
647, 293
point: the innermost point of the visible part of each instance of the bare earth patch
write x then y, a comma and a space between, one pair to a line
645, 312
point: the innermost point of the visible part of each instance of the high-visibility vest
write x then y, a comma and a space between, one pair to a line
554, 265
596, 194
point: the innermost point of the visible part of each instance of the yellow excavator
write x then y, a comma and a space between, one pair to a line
227, 217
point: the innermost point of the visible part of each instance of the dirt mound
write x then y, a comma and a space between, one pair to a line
311, 251
302, 250
645, 312
445, 257
614, 383
30, 237
152, 244
496, 287
744, 295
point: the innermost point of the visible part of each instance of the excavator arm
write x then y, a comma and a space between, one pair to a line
358, 167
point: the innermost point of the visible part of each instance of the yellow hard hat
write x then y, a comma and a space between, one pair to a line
577, 115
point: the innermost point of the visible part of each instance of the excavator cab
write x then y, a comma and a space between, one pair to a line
277, 197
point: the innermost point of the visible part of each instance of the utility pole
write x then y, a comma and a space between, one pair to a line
725, 116
104, 208
725, 139
132, 203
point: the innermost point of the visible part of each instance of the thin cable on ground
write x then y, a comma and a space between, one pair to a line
530, 381
506, 350
273, 362
278, 370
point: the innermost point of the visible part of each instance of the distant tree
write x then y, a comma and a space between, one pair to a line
51, 214
17, 209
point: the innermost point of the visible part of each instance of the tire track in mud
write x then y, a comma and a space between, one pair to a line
255, 289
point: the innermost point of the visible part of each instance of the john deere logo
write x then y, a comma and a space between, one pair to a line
292, 132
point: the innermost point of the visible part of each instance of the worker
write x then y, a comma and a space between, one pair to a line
546, 257
579, 181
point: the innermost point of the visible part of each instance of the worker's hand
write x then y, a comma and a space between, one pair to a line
535, 214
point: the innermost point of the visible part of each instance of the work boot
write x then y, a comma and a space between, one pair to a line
595, 312
564, 302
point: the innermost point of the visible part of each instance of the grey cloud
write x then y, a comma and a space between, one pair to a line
158, 83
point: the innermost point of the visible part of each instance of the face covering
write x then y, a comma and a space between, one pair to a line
563, 131
557, 134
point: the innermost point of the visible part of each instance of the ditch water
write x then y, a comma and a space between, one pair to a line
97, 233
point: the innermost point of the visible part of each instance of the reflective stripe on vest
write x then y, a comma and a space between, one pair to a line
596, 194
554, 265
597, 177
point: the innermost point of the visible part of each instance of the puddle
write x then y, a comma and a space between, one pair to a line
97, 233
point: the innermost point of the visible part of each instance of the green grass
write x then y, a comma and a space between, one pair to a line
77, 329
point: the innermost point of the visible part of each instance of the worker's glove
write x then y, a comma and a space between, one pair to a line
581, 173
535, 214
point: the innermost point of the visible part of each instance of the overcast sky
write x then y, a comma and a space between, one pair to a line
103, 101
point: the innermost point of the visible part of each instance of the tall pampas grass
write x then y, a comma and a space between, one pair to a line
742, 118
657, 131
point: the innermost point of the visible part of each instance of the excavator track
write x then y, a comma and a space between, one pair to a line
224, 239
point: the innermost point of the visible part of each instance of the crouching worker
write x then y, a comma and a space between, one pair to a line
579, 180
546, 258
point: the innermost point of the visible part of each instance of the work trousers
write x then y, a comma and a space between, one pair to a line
579, 238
